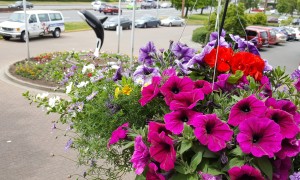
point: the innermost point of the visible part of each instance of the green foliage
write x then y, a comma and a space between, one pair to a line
200, 35
189, 4
250, 3
287, 6
257, 19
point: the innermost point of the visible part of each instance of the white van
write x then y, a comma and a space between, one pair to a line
40, 23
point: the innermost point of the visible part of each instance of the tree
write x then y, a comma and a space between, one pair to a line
189, 4
250, 3
287, 6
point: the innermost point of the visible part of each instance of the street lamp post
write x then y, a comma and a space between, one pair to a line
26, 30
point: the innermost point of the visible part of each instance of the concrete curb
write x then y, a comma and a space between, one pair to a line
14, 79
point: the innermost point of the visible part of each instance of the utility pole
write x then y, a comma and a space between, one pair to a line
182, 8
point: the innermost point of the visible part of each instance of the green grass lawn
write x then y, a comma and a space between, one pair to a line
197, 19
76, 26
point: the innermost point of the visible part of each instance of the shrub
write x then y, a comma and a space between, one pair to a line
257, 19
200, 35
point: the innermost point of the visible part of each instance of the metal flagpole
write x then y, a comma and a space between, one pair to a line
119, 26
132, 33
26, 29
157, 8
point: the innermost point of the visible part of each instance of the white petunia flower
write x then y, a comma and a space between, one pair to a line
69, 88
90, 67
53, 100
42, 96
82, 84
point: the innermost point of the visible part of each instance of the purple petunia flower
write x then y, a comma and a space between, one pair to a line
281, 168
69, 144
206, 176
289, 148
288, 127
198, 58
259, 137
296, 74
244, 45
212, 132
245, 172
174, 85
268, 67
213, 38
176, 119
143, 74
118, 75
73, 68
297, 85
91, 96
186, 100
214, 35
203, 85
246, 108
151, 91
182, 51
152, 173
295, 176
147, 53
141, 156
222, 83
119, 133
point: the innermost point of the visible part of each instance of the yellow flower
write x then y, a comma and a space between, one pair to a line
126, 90
117, 92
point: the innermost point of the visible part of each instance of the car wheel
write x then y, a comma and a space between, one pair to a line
56, 33
145, 25
6, 38
105, 13
129, 27
23, 36
181, 24
170, 24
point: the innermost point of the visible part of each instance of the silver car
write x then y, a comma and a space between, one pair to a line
172, 21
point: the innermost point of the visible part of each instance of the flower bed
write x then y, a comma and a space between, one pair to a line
223, 113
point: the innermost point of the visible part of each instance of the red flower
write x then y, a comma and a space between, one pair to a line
223, 59
89, 74
249, 63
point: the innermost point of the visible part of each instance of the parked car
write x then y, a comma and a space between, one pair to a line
260, 36
172, 21
148, 4
112, 23
290, 36
96, 5
297, 31
40, 22
296, 21
102, 7
19, 5
130, 6
282, 18
272, 20
165, 5
111, 9
147, 21
291, 31
280, 36
271, 34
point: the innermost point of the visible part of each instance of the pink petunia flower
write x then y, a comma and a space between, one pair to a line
141, 156
169, 72
176, 119
289, 148
152, 173
259, 136
206, 176
212, 132
162, 150
205, 86
174, 85
119, 133
157, 128
245, 172
246, 108
186, 100
151, 91
288, 127
281, 168
297, 85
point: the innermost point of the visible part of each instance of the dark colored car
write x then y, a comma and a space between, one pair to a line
149, 4
112, 23
271, 34
19, 5
296, 21
111, 9
272, 20
147, 21
260, 36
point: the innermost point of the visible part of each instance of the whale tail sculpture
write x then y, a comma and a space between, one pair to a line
96, 25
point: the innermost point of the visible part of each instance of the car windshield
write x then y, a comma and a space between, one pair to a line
113, 19
17, 17
264, 34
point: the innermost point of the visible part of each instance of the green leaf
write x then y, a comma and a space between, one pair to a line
185, 145
179, 176
266, 167
181, 169
208, 154
213, 171
129, 145
234, 162
188, 131
196, 160
237, 151
233, 78
140, 177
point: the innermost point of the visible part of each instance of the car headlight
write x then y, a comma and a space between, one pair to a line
18, 29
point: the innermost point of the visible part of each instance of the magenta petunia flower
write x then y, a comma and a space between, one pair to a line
186, 100
297, 85
281, 168
151, 91
245, 172
259, 136
206, 176
246, 108
174, 85
152, 173
289, 148
222, 83
169, 72
162, 150
119, 133
205, 86
141, 156
175, 120
287, 105
265, 87
212, 132
155, 127
288, 127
